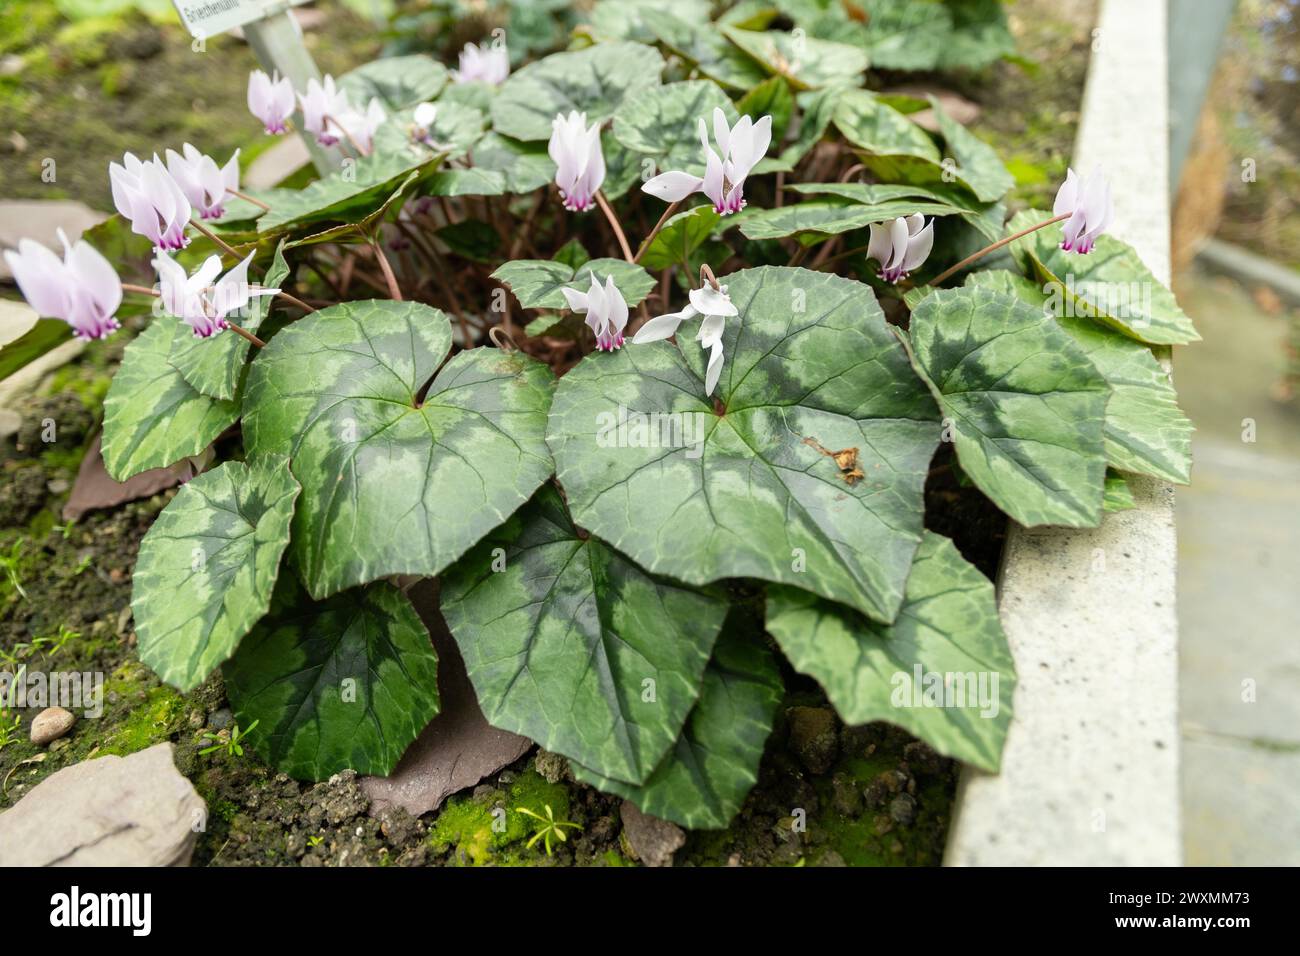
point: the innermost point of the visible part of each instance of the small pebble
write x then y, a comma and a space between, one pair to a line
51, 724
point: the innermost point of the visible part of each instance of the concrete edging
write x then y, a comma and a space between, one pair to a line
1090, 774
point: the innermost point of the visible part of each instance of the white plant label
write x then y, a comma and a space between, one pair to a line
205, 18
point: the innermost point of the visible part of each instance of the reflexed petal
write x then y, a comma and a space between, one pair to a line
673, 186
897, 242
721, 131
41, 277
880, 247
918, 247
617, 306
1067, 196
662, 326
712, 184
915, 223
577, 300
712, 302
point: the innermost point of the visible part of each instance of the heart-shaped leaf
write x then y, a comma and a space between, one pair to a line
663, 123
807, 63
152, 416
536, 283
392, 484
1146, 432
569, 643
1025, 406
208, 565
399, 82
947, 35
709, 50
215, 365
634, 19
345, 683
594, 81
813, 474
943, 670
1111, 284
814, 220
702, 781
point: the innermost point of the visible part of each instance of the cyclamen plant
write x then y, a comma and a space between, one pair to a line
477, 377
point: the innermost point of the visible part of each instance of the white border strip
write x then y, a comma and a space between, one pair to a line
1090, 774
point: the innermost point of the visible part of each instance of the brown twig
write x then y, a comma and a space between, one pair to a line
247, 198
394, 290
245, 334
672, 208
229, 249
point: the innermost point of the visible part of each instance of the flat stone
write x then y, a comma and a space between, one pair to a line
459, 747
654, 841
111, 811
51, 724
1239, 800
283, 159
95, 490
40, 219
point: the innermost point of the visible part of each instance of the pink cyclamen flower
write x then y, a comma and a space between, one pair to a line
271, 100
714, 307
81, 289
606, 311
486, 63
323, 106
1088, 204
901, 245
203, 182
146, 195
202, 300
740, 147
579, 162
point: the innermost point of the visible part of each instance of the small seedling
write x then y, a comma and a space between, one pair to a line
228, 740
60, 640
10, 564
8, 731
315, 840
550, 827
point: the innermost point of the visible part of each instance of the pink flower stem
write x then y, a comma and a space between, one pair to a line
672, 208
225, 246
603, 203
948, 273
247, 198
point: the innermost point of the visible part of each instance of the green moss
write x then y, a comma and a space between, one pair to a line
465, 825
154, 714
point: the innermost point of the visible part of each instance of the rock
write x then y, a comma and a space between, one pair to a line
221, 719
902, 809
846, 799
651, 840
831, 858
51, 724
813, 737
41, 219
552, 767
397, 825
111, 811
921, 759
458, 748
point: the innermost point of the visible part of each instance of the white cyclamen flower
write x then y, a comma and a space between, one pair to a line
901, 245
202, 300
606, 311
361, 127
740, 147
81, 289
426, 114
579, 162
146, 195
716, 307
203, 182
322, 108
488, 63
270, 100
1089, 206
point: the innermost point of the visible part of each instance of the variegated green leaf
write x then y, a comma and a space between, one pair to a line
1025, 405
208, 566
215, 365
398, 82
807, 63
594, 81
500, 165
1118, 496
702, 781
635, 19
1146, 432
663, 123
881, 130
709, 50
942, 670
1110, 284
152, 416
572, 645
536, 283
811, 473
393, 484
847, 206
345, 683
